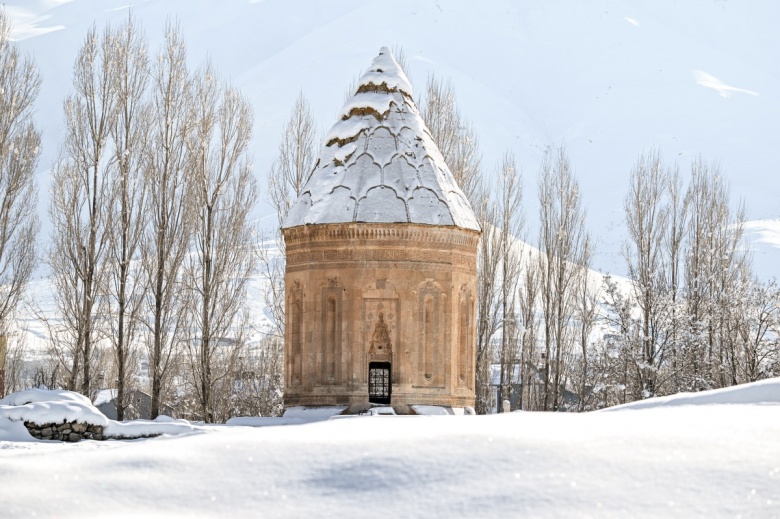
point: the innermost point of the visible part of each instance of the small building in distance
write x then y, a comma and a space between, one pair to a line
381, 251
139, 405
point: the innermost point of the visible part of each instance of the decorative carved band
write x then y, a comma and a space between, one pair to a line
454, 266
375, 254
401, 232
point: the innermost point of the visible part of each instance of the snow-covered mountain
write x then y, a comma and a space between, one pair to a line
609, 79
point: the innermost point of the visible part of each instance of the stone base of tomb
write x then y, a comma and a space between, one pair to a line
359, 399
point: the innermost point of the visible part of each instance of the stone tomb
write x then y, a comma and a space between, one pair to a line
381, 250
360, 294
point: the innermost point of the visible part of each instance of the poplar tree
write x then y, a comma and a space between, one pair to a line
20, 144
563, 246
127, 207
218, 267
81, 192
170, 223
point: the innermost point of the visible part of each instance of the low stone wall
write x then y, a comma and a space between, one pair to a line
66, 432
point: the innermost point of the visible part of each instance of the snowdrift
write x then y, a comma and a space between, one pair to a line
765, 392
716, 460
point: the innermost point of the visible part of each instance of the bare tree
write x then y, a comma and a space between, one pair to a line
289, 172
454, 136
752, 348
646, 220
19, 151
459, 146
488, 297
81, 192
714, 265
510, 193
13, 354
295, 160
563, 242
127, 209
586, 312
616, 359
259, 379
217, 270
271, 267
528, 300
674, 239
165, 244
673, 333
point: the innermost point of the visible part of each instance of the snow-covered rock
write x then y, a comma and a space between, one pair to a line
44, 406
64, 415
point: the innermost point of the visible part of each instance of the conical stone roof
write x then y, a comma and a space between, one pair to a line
380, 164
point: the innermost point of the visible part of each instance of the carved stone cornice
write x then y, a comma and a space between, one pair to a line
391, 233
391, 245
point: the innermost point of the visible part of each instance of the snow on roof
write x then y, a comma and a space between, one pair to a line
104, 396
380, 163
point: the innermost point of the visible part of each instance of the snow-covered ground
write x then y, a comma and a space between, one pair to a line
714, 454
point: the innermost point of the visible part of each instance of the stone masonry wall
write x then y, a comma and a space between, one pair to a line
66, 432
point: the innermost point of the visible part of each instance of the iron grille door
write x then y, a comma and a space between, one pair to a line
379, 382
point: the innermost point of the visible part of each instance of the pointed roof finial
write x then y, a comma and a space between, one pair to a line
384, 72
